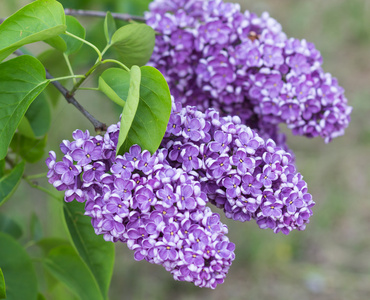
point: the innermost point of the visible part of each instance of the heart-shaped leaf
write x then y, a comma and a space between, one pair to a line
9, 183
37, 21
22, 79
94, 250
19, 274
134, 44
153, 111
64, 263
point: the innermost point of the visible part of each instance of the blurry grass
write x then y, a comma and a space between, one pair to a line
330, 259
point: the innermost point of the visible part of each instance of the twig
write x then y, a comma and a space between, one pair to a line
101, 14
99, 126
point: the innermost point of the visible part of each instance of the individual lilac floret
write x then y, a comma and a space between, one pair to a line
213, 55
140, 199
246, 176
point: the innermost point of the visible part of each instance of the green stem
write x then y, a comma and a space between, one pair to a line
87, 43
106, 49
66, 77
66, 58
35, 176
51, 194
89, 89
88, 73
116, 62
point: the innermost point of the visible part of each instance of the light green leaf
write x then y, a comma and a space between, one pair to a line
39, 115
64, 263
94, 250
37, 21
31, 150
2, 286
36, 228
9, 183
109, 27
9, 226
129, 110
153, 111
19, 274
22, 79
115, 88
134, 44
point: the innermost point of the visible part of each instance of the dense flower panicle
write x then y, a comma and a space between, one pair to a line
140, 199
246, 176
157, 203
213, 55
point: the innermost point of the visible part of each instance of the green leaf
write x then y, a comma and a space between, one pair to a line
22, 79
130, 109
39, 115
74, 27
115, 88
19, 274
31, 150
9, 226
37, 21
66, 43
2, 286
94, 250
153, 111
2, 167
40, 297
36, 228
24, 128
64, 263
134, 44
109, 27
9, 183
53, 61
47, 244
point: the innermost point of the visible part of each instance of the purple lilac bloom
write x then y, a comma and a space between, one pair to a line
213, 55
157, 203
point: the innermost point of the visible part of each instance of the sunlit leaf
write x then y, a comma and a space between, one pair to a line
151, 116
37, 21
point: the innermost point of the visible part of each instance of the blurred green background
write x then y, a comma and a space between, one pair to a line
331, 259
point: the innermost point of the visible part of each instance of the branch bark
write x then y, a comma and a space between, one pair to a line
99, 126
101, 14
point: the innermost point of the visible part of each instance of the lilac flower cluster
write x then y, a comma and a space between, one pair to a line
246, 176
139, 199
213, 55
